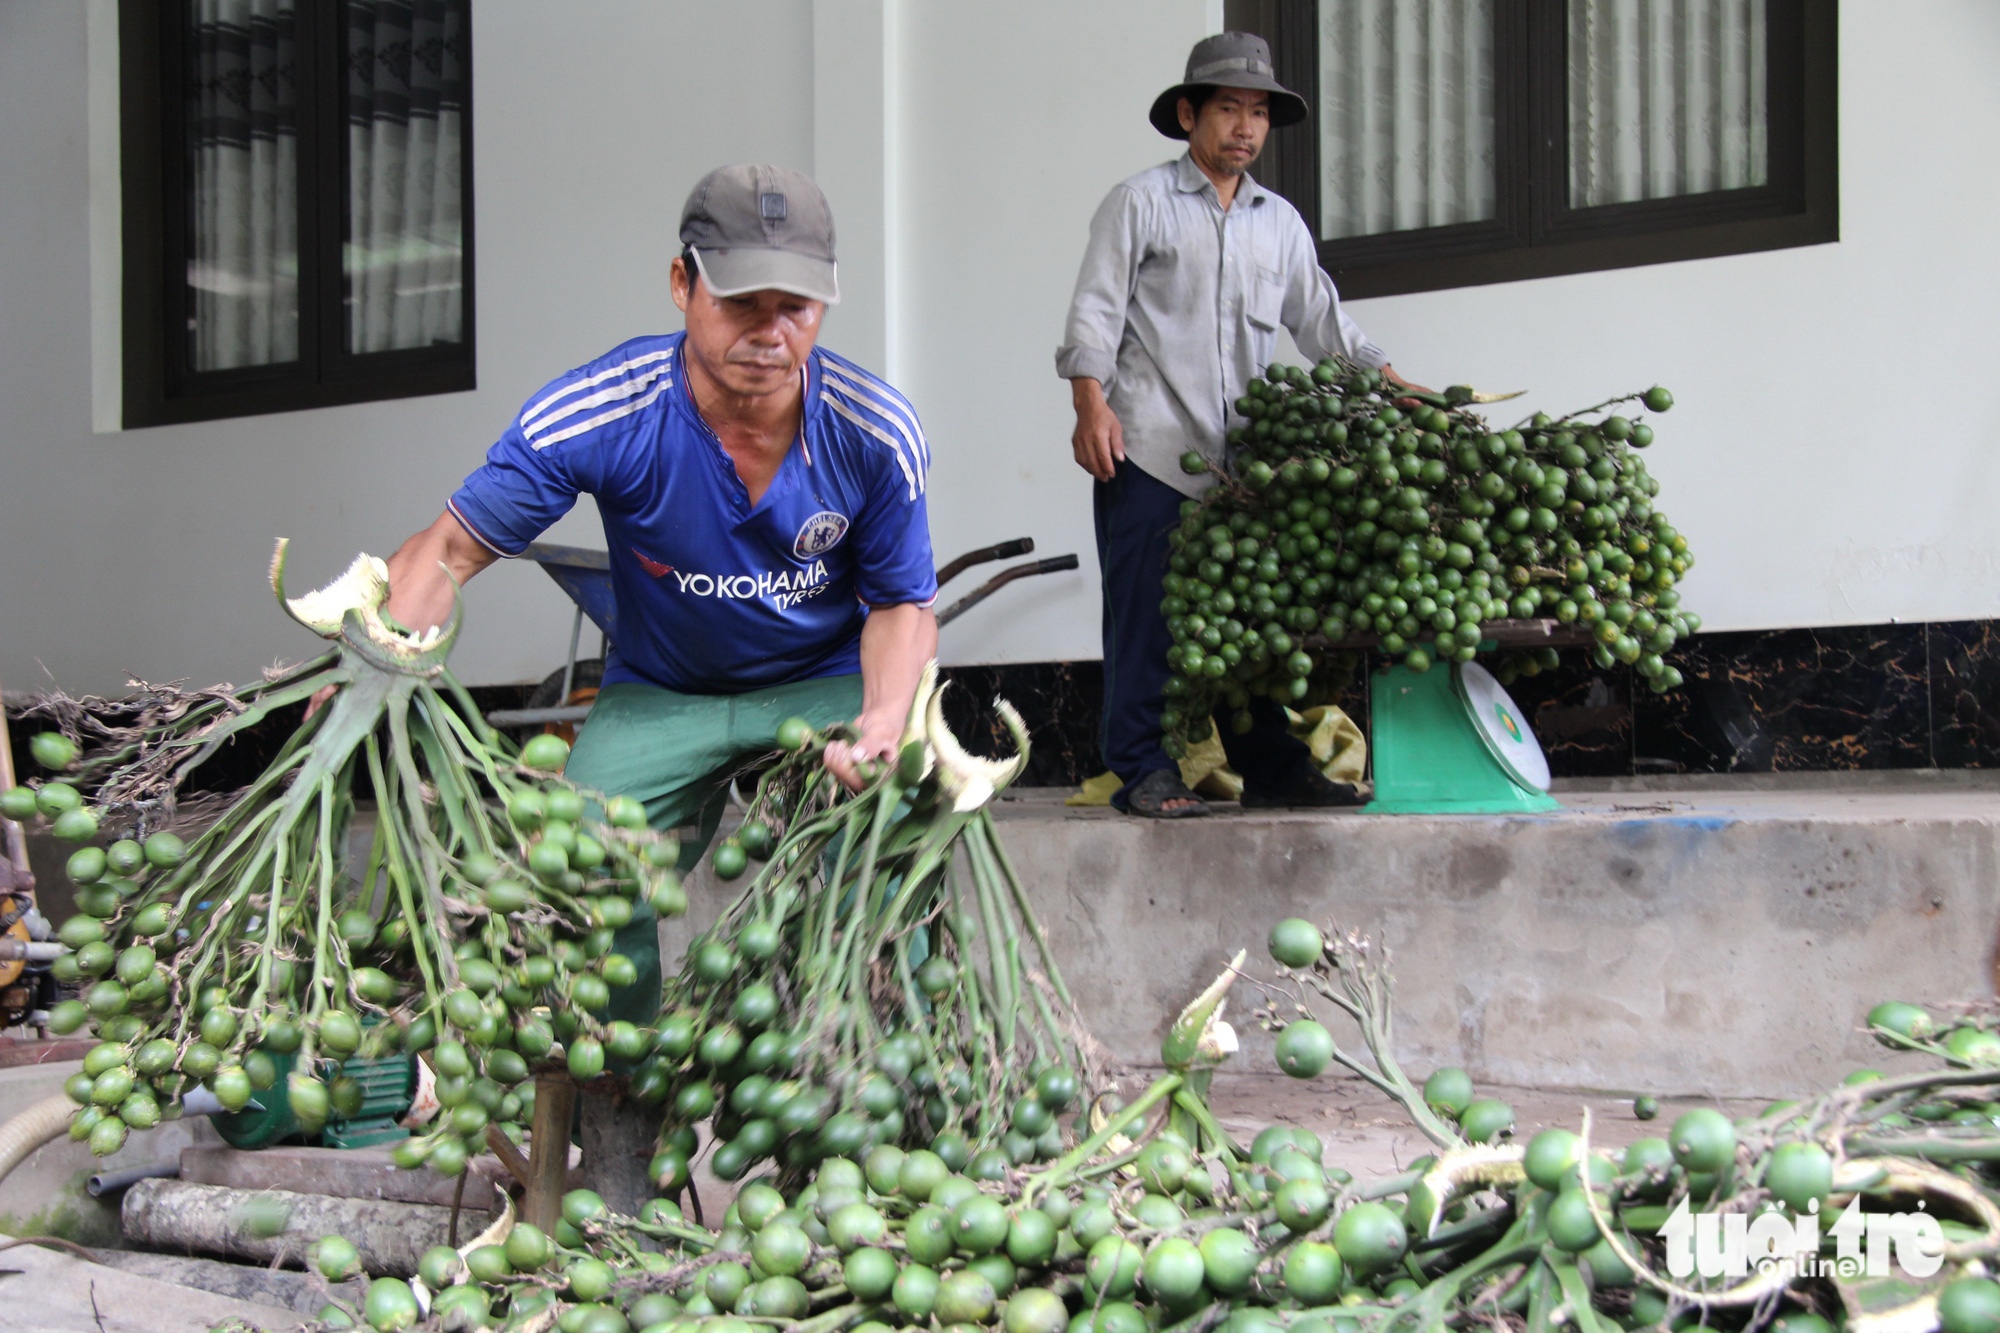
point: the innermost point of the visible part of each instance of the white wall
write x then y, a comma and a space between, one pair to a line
1831, 459
144, 552
1018, 120
1832, 456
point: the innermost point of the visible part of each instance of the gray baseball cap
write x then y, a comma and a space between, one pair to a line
1228, 60
758, 228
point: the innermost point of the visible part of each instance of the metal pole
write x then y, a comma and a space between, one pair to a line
109, 1182
569, 667
34, 951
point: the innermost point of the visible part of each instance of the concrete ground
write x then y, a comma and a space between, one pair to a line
45, 1195
1369, 1135
1363, 1131
48, 1291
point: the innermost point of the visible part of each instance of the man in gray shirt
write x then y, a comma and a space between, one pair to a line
1192, 267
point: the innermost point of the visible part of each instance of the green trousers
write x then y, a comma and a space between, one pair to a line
677, 753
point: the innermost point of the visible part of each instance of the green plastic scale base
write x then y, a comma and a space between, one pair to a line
1429, 758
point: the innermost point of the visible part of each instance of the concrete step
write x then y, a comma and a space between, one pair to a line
1667, 938
1720, 942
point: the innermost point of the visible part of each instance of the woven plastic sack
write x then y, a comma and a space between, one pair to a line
1337, 746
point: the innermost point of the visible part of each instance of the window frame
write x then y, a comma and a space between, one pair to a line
1537, 234
159, 387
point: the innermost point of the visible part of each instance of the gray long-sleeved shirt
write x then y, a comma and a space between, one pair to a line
1178, 306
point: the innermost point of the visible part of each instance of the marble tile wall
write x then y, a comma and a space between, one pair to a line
1964, 678
1582, 716
1852, 697
1759, 701
1062, 703
1842, 697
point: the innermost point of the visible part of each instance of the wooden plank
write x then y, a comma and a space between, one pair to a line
510, 1156
548, 1149
27, 1050
14, 873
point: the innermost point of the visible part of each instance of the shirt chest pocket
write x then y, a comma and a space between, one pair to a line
1264, 297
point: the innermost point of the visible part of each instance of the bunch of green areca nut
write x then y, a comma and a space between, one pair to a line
256, 956
1359, 512
881, 979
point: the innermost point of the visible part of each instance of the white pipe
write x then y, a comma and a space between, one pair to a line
32, 1128
35, 951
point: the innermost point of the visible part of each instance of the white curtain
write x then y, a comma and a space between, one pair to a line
243, 252
1405, 114
406, 75
1666, 97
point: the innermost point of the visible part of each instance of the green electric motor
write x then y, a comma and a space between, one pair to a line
387, 1086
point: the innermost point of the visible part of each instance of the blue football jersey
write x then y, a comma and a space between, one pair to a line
716, 595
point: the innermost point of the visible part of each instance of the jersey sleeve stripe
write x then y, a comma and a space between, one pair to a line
891, 409
864, 389
895, 446
636, 385
585, 427
535, 409
889, 404
477, 535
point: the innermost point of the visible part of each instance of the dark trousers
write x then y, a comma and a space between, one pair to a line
1135, 514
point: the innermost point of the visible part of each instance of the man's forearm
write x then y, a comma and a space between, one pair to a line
895, 644
420, 595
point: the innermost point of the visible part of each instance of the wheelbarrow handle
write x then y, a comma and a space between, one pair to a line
1003, 551
1052, 565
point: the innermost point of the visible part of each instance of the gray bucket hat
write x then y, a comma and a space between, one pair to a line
759, 228
1228, 60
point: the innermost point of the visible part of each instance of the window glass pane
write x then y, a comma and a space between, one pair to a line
1405, 114
1666, 97
406, 78
243, 250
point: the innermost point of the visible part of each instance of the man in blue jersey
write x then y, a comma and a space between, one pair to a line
763, 503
